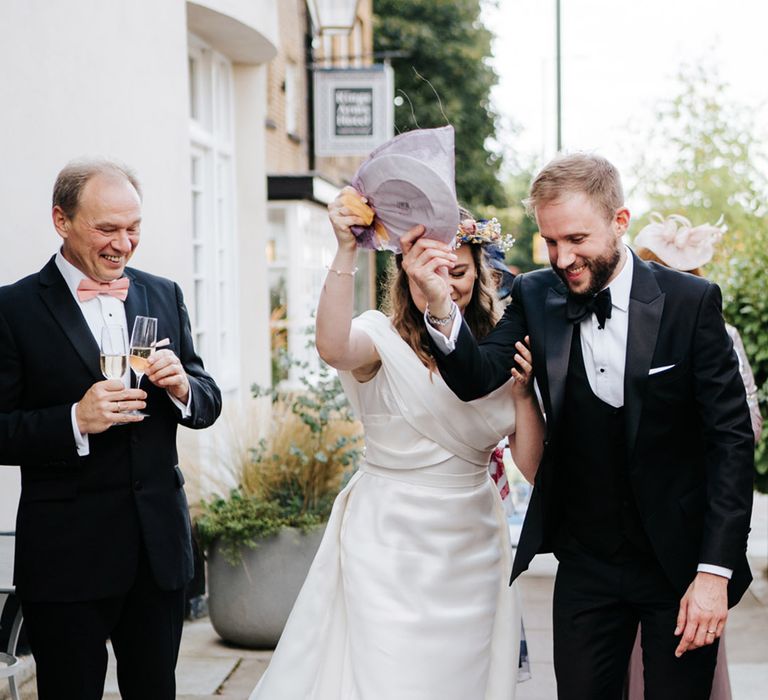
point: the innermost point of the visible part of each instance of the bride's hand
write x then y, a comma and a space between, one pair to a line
349, 208
523, 373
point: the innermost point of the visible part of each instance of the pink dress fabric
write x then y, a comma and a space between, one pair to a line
721, 685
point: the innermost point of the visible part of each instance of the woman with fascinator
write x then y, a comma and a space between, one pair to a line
409, 596
674, 242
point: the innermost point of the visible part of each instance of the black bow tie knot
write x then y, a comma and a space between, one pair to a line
580, 307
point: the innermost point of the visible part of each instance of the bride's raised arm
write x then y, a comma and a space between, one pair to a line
338, 343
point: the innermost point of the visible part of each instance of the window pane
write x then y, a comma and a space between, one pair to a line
194, 108
199, 302
196, 171
213, 186
197, 215
198, 259
223, 102
277, 236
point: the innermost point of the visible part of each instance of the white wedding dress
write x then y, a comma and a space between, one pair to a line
408, 595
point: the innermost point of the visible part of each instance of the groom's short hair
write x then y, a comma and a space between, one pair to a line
578, 172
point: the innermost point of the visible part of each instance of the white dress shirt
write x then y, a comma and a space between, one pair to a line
604, 351
102, 310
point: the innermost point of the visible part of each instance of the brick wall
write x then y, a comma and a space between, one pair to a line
288, 153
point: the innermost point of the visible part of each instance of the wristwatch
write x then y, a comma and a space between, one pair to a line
444, 321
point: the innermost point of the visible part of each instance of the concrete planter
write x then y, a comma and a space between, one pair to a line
249, 602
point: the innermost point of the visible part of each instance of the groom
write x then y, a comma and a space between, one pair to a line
644, 490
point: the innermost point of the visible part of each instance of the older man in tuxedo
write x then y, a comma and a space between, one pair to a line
644, 491
103, 547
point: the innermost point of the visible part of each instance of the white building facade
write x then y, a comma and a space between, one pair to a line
177, 90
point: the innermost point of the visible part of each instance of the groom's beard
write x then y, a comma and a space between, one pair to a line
600, 271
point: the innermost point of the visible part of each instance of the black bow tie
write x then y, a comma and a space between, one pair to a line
579, 307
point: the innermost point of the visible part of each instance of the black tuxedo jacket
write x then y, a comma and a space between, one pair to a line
81, 520
690, 446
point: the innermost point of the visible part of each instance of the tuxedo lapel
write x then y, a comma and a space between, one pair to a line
57, 297
559, 333
646, 304
136, 301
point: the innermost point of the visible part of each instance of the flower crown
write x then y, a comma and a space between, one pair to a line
483, 232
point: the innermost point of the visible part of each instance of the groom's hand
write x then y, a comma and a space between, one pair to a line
703, 612
427, 262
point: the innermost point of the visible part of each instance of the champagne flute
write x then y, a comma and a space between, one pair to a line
114, 352
143, 339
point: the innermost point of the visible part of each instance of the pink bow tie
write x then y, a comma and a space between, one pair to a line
90, 289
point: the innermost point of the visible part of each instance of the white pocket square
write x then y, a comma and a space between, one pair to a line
656, 370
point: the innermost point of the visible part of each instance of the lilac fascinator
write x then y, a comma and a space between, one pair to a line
407, 181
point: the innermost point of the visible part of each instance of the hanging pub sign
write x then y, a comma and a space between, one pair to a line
353, 109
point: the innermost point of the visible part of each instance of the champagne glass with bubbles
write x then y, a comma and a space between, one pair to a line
143, 339
114, 352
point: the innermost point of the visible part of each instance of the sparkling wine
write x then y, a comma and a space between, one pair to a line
138, 359
114, 366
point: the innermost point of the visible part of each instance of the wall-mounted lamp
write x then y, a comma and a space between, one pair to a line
333, 16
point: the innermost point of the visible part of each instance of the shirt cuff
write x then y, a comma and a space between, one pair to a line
717, 570
184, 409
446, 344
81, 441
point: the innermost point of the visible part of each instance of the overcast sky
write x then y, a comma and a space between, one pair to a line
619, 58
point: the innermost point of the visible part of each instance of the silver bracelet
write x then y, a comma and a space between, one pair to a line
341, 272
444, 321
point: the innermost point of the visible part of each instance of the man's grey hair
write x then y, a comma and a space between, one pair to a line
72, 178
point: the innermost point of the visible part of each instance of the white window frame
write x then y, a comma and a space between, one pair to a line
215, 303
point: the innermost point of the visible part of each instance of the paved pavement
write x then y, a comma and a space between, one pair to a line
210, 669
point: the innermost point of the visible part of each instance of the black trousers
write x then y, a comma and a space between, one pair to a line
68, 642
598, 603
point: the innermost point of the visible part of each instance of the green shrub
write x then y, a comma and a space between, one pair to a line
243, 519
292, 476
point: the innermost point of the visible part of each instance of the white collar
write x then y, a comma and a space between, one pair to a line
621, 285
72, 275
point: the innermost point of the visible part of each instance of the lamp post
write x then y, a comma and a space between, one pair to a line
327, 17
559, 78
333, 16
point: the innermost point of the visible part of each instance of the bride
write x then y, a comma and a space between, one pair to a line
408, 597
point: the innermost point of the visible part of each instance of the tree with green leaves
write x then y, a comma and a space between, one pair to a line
712, 166
442, 76
515, 221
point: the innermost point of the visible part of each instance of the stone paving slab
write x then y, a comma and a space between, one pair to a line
541, 685
748, 681
536, 594
25, 675
195, 675
206, 661
243, 681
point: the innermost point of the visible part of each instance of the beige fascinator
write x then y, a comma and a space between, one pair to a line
679, 244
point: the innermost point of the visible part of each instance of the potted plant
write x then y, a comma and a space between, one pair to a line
260, 540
